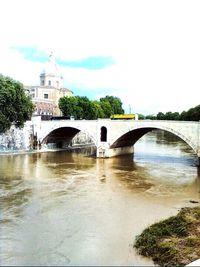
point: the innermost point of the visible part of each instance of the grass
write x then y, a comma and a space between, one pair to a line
174, 241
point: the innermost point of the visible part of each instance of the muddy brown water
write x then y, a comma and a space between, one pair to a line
64, 208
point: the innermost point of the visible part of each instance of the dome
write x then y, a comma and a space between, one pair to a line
50, 66
50, 75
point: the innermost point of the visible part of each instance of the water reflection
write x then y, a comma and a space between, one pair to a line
172, 168
68, 209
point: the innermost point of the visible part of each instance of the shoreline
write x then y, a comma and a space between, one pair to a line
44, 150
174, 241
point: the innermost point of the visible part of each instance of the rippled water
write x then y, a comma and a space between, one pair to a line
64, 208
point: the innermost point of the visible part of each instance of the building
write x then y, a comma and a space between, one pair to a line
47, 94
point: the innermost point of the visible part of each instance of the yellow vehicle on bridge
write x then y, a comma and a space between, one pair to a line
123, 117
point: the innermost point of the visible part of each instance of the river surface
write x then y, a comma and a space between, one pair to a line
64, 208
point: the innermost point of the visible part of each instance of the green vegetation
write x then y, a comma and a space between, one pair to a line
172, 242
193, 114
15, 106
82, 108
115, 104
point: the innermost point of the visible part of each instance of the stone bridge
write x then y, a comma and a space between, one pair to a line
114, 137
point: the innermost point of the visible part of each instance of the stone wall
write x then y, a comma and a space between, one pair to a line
82, 138
17, 139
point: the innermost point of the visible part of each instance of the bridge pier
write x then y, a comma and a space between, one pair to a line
106, 152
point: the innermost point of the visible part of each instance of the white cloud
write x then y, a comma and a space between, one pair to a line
155, 45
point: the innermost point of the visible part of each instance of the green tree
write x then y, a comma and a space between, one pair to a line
168, 115
160, 116
97, 110
150, 117
183, 115
82, 108
115, 103
141, 116
69, 106
175, 116
15, 106
78, 106
193, 114
106, 107
85, 106
196, 113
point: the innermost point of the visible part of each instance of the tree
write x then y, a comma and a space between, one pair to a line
69, 106
78, 106
183, 115
97, 110
196, 113
193, 114
175, 116
141, 116
150, 117
115, 103
86, 108
106, 107
160, 116
82, 108
15, 106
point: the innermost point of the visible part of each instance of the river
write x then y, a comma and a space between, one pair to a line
65, 208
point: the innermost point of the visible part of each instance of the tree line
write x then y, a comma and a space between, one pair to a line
192, 114
80, 107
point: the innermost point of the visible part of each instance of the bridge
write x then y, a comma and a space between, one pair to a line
114, 137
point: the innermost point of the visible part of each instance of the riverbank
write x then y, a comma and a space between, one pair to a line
174, 241
76, 148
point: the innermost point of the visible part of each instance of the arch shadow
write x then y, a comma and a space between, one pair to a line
59, 135
131, 137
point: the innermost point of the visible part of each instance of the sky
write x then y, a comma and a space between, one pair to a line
146, 52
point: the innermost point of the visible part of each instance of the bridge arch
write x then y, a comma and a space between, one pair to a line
63, 134
130, 137
60, 134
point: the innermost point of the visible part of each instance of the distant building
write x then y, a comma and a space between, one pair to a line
46, 96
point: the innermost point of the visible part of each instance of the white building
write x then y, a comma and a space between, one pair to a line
47, 94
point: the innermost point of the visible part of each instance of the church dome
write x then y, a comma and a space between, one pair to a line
50, 75
50, 66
